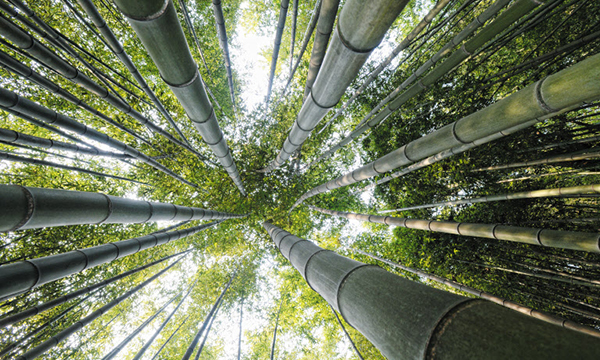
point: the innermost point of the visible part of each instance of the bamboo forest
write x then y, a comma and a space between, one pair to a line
299, 179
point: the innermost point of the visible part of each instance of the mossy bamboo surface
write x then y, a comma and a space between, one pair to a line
23, 276
541, 99
361, 27
408, 320
22, 315
156, 24
64, 334
573, 240
552, 319
557, 192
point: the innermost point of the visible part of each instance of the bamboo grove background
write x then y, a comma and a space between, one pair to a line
291, 320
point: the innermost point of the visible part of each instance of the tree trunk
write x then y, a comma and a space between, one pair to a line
190, 25
293, 41
212, 320
408, 320
64, 334
222, 33
346, 333
275, 330
25, 275
362, 26
162, 36
280, 25
544, 237
534, 101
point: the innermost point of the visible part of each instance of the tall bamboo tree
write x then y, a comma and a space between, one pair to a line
278, 34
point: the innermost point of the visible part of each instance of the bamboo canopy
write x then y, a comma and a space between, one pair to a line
571, 191
30, 208
156, 24
280, 25
64, 334
408, 320
22, 276
361, 27
540, 99
544, 237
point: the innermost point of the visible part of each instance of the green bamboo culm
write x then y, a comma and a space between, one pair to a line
278, 34
64, 334
573, 240
539, 100
576, 156
222, 33
156, 24
23, 276
409, 320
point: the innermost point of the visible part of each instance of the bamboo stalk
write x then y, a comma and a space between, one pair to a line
541, 99
275, 330
64, 334
188, 21
278, 33
25, 275
222, 33
346, 333
293, 41
576, 156
212, 320
544, 237
362, 26
240, 335
156, 24
409, 320
170, 337
558, 192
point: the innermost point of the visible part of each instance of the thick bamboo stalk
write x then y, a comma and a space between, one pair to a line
190, 25
222, 33
329, 9
117, 349
542, 99
46, 56
11, 136
117, 49
556, 320
141, 352
278, 34
192, 347
22, 315
276, 326
30, 208
25, 275
157, 26
26, 160
576, 156
361, 27
64, 334
388, 60
20, 104
307, 35
408, 320
513, 13
557, 192
544, 237
26, 72
346, 333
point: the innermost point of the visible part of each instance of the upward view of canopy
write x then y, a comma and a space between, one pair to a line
463, 222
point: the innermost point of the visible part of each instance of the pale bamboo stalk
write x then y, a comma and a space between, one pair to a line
388, 60
222, 33
553, 319
293, 41
573, 240
328, 12
24, 314
44, 55
278, 34
11, 136
542, 99
362, 25
276, 326
26, 160
30, 208
190, 25
576, 156
25, 275
346, 333
190, 349
557, 192
240, 335
26, 72
392, 312
307, 35
141, 352
64, 334
170, 337
156, 24
117, 49
212, 320
11, 100
513, 13
117, 349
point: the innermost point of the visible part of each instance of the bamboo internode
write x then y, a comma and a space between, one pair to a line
408, 320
